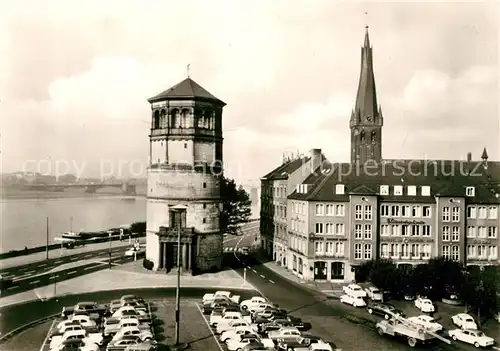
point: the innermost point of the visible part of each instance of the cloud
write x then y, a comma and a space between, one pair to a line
77, 76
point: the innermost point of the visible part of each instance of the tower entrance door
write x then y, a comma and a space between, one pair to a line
171, 256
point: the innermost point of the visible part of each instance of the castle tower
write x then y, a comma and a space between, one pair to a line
366, 118
185, 168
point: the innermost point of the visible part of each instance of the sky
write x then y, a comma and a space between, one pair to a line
75, 77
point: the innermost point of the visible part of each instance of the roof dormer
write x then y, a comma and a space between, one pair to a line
411, 190
340, 189
425, 190
384, 190
470, 191
398, 190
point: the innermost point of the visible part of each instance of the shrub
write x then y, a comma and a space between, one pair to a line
147, 264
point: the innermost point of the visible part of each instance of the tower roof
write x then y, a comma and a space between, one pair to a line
187, 89
366, 98
484, 156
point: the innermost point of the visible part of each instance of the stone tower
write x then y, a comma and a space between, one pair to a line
366, 118
185, 168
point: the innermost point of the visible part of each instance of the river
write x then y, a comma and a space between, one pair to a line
23, 220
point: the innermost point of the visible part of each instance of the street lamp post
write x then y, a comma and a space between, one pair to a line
179, 209
110, 250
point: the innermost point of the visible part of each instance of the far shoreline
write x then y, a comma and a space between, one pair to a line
14, 194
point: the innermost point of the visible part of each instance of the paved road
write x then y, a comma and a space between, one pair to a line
30, 277
345, 327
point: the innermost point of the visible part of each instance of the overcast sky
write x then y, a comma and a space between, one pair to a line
75, 76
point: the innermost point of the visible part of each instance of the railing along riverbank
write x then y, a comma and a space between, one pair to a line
80, 242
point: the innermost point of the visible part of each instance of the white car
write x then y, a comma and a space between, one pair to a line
374, 294
88, 338
464, 321
134, 250
427, 322
84, 321
239, 344
320, 346
424, 305
236, 332
352, 300
229, 324
255, 300
143, 334
76, 344
260, 307
470, 336
354, 290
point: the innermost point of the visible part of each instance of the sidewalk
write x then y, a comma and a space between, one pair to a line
333, 290
58, 253
128, 276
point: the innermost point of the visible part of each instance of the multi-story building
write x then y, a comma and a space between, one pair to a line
275, 188
404, 210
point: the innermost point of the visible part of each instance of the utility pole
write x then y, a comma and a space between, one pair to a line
47, 242
179, 210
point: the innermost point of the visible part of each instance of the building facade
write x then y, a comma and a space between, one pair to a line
276, 186
185, 169
405, 210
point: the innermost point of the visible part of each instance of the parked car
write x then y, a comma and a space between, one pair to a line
76, 344
424, 305
122, 343
275, 325
94, 309
383, 309
232, 324
374, 294
238, 344
143, 334
88, 338
464, 321
354, 290
427, 322
134, 251
320, 346
354, 301
221, 294
285, 333
474, 337
300, 342
236, 332
255, 300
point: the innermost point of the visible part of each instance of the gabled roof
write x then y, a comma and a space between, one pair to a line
446, 178
187, 89
282, 171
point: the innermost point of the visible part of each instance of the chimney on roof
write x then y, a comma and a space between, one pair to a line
469, 157
316, 159
484, 157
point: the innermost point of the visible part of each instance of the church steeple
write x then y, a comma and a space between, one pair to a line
366, 119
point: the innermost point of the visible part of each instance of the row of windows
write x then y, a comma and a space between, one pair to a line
482, 252
363, 231
280, 211
330, 210
363, 251
298, 225
298, 244
405, 251
455, 233
330, 228
482, 232
329, 248
405, 211
299, 208
279, 191
482, 212
405, 230
451, 252
363, 212
455, 214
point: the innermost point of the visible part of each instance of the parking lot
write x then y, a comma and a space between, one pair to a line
193, 329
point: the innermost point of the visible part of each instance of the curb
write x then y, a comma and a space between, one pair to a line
22, 328
126, 288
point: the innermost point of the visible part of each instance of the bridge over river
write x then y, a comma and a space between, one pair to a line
126, 188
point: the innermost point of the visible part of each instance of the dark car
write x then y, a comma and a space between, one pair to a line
301, 341
255, 346
72, 344
275, 325
296, 322
383, 309
232, 308
94, 309
217, 303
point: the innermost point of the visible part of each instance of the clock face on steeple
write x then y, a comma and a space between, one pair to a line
369, 118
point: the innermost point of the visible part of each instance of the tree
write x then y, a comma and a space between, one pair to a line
481, 290
138, 227
383, 274
444, 277
237, 206
362, 273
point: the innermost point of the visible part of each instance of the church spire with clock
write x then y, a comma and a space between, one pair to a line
366, 118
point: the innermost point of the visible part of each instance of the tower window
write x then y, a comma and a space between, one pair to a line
362, 135
374, 135
204, 206
185, 145
156, 120
204, 220
204, 185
